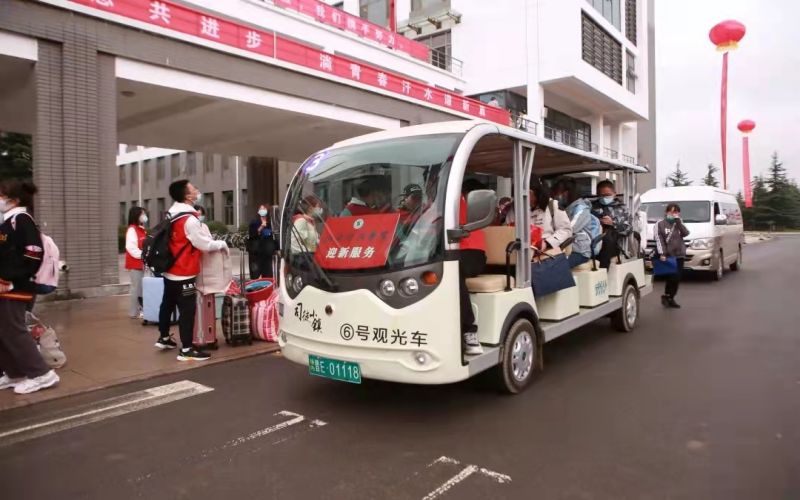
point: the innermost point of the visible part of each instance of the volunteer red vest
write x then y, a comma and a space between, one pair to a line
130, 262
188, 262
476, 239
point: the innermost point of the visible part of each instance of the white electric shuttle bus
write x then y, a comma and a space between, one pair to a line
368, 290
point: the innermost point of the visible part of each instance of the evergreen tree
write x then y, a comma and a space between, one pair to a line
678, 178
710, 179
16, 157
777, 174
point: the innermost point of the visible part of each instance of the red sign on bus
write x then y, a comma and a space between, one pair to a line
357, 242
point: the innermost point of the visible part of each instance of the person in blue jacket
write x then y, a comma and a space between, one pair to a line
261, 245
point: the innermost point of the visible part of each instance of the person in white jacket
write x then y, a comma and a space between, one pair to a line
545, 213
134, 239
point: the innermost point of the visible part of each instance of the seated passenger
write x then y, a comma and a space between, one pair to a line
585, 228
364, 202
564, 192
505, 205
615, 220
410, 204
556, 227
471, 262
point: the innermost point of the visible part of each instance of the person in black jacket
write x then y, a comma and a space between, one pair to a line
670, 233
21, 251
261, 245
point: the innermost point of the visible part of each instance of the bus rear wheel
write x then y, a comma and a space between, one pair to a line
520, 358
625, 318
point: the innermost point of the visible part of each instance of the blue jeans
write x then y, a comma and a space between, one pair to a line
576, 259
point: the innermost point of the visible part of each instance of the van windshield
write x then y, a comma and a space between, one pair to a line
369, 207
691, 211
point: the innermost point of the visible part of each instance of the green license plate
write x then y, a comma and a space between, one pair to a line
344, 371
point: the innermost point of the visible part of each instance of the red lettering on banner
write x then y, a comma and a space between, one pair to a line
356, 242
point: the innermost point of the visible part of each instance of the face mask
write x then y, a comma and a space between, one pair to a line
5, 206
262, 213
670, 218
317, 211
202, 218
199, 198
143, 219
607, 200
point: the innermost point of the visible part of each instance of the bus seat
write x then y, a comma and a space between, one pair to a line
488, 283
586, 266
497, 239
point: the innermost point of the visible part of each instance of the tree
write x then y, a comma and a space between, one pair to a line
710, 179
16, 157
777, 174
678, 178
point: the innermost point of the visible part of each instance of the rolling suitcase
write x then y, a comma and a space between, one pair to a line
152, 295
205, 322
236, 314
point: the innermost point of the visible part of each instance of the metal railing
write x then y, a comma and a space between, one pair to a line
610, 153
446, 62
628, 159
521, 122
569, 139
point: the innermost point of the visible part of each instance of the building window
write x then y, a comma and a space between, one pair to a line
441, 48
243, 204
175, 166
147, 207
630, 71
161, 167
375, 11
134, 173
208, 204
208, 163
227, 205
191, 164
134, 203
630, 20
123, 214
122, 175
610, 9
428, 5
561, 127
601, 50
148, 164
161, 208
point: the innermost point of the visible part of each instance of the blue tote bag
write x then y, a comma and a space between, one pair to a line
551, 274
665, 268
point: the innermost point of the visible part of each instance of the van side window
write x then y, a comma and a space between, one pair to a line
716, 209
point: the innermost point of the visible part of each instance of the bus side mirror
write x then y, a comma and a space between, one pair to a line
481, 205
721, 220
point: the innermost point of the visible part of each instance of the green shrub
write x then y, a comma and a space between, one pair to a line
217, 227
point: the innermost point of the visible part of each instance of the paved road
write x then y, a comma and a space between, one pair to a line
704, 403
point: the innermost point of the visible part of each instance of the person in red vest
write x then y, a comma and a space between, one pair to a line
134, 238
187, 242
363, 203
471, 262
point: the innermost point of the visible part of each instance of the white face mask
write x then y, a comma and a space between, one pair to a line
262, 213
199, 198
5, 206
143, 219
317, 211
201, 218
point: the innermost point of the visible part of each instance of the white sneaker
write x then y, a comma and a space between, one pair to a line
472, 346
30, 385
7, 382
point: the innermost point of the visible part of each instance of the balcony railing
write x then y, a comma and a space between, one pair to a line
628, 159
521, 122
610, 153
569, 139
446, 62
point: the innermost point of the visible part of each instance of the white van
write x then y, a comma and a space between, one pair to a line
714, 220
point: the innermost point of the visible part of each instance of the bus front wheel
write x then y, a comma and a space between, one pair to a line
520, 357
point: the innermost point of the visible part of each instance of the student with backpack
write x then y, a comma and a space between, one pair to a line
21, 254
174, 250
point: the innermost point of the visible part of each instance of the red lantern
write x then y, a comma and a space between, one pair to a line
726, 35
746, 126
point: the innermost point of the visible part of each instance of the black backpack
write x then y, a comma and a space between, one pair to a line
155, 249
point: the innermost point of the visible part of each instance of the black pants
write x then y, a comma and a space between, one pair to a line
674, 280
260, 266
609, 249
470, 264
183, 295
19, 356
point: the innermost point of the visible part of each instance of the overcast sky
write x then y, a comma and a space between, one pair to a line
763, 85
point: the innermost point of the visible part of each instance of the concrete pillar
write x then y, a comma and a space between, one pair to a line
74, 157
615, 138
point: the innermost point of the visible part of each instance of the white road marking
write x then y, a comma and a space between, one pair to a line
269, 430
462, 475
108, 408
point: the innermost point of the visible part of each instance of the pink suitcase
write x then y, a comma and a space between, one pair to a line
205, 322
264, 319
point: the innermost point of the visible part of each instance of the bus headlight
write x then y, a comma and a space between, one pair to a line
387, 288
298, 284
409, 286
702, 243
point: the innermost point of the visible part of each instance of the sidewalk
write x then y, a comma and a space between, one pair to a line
104, 347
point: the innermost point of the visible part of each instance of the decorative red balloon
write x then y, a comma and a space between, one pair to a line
746, 126
727, 34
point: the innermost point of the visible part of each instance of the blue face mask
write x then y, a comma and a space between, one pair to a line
607, 200
262, 213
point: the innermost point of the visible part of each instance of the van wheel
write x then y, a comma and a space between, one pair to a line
625, 318
736, 266
520, 357
720, 271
